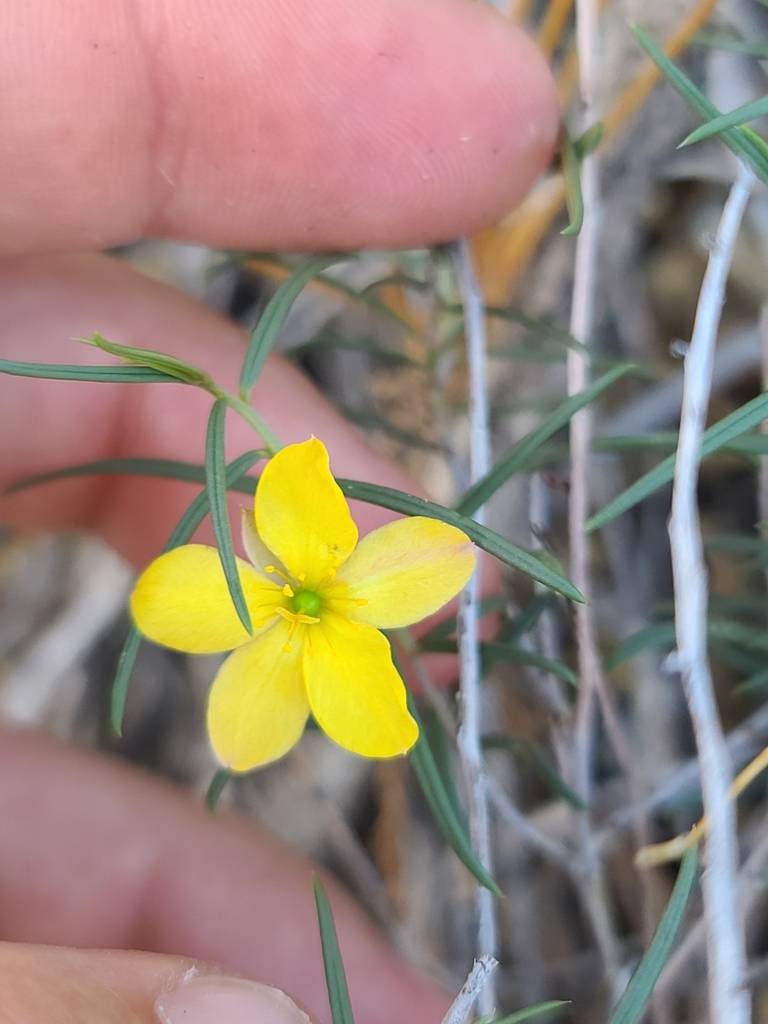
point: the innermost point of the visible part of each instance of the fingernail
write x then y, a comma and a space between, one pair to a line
207, 999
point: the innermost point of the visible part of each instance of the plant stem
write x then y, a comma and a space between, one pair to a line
470, 748
729, 998
246, 411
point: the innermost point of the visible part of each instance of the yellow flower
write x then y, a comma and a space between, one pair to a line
317, 600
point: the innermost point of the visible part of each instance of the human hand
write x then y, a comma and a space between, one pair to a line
297, 125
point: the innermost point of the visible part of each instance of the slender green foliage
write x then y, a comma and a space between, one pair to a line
531, 1012
216, 788
485, 538
745, 143
713, 439
182, 532
216, 482
733, 119
373, 494
534, 756
159, 361
520, 455
442, 801
270, 323
335, 976
125, 665
114, 374
632, 1005
571, 162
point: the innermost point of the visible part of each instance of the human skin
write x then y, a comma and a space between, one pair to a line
296, 124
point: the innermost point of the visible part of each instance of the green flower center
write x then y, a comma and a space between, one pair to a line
306, 602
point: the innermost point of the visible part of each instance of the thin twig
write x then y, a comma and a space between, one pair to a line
470, 748
591, 684
476, 983
729, 999
550, 849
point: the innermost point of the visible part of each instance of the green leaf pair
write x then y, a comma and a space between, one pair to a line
743, 142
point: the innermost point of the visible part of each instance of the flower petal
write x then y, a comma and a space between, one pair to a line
181, 600
354, 690
301, 514
258, 553
257, 708
403, 572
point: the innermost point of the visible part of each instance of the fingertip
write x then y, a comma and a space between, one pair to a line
428, 121
203, 999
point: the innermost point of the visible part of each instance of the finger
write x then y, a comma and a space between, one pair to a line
100, 855
281, 123
58, 423
41, 984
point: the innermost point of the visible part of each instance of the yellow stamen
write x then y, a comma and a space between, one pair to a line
290, 616
274, 571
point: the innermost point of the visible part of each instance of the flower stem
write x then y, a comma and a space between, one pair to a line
246, 411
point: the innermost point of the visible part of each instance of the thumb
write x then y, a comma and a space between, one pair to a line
41, 984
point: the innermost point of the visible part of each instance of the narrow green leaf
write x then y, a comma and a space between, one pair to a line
752, 444
533, 1011
335, 976
714, 438
734, 656
372, 494
660, 634
368, 419
526, 619
571, 162
751, 605
216, 788
442, 802
364, 296
532, 754
367, 345
737, 633
172, 469
589, 140
125, 664
631, 1006
440, 745
736, 544
182, 532
103, 374
216, 483
732, 44
158, 361
540, 327
521, 453
488, 540
742, 141
734, 118
494, 651
274, 316
754, 684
